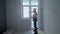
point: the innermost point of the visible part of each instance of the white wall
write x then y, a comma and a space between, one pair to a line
14, 20
40, 14
11, 14
52, 16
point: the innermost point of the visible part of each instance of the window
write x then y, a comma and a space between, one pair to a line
27, 7
26, 12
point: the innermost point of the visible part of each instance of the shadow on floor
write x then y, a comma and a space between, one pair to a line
35, 31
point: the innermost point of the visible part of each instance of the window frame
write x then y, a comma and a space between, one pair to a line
29, 8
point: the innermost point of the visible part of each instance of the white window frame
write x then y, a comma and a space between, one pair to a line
29, 9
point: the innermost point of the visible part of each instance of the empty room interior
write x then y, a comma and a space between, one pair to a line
29, 16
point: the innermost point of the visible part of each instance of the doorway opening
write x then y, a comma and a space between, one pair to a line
27, 10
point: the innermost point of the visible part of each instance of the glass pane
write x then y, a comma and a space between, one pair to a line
25, 2
34, 2
25, 12
32, 14
32, 10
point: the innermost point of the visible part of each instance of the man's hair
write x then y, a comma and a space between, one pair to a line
34, 9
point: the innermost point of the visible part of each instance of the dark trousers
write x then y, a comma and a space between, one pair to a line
35, 26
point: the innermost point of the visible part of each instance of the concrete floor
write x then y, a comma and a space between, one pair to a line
23, 32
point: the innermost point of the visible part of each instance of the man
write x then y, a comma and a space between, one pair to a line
35, 18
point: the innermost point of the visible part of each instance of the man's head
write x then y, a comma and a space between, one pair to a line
34, 10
